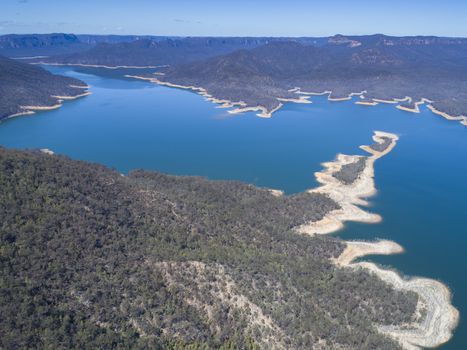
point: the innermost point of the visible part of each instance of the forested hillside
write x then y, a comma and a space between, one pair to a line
93, 259
23, 85
384, 67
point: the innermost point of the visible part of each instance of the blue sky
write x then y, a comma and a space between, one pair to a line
235, 17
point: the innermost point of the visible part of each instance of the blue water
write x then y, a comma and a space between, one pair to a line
422, 187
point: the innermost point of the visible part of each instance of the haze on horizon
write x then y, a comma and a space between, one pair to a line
235, 18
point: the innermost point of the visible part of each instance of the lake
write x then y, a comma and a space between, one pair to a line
422, 188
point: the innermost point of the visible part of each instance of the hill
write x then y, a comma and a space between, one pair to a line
387, 68
91, 258
25, 87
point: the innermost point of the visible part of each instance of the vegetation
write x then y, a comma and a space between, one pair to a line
381, 146
350, 172
386, 67
93, 259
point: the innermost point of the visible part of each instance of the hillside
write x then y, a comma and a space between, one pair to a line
25, 85
385, 67
91, 258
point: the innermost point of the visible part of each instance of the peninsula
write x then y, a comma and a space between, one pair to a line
138, 261
25, 88
407, 71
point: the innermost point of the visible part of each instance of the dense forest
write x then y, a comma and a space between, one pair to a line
94, 259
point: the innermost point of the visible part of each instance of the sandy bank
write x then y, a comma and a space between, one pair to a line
349, 196
47, 151
41, 108
366, 103
276, 193
73, 97
11, 116
265, 113
416, 108
357, 249
297, 90
461, 118
79, 86
301, 99
435, 318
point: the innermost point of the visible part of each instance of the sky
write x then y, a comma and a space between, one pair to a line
235, 17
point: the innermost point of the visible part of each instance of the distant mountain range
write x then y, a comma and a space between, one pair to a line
24, 87
93, 49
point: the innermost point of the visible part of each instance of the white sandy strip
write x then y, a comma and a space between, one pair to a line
276, 193
357, 249
41, 108
350, 196
301, 99
264, 111
47, 151
461, 118
79, 86
300, 92
416, 108
73, 97
97, 65
366, 103
297, 90
11, 116
29, 58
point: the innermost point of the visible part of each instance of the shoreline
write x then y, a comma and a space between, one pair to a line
97, 65
242, 106
41, 108
349, 197
461, 118
417, 105
366, 103
30, 110
435, 317
87, 93
265, 113
441, 317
